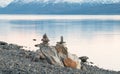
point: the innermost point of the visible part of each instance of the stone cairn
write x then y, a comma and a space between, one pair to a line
61, 49
57, 55
45, 40
61, 41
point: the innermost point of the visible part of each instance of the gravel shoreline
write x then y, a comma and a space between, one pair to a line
15, 60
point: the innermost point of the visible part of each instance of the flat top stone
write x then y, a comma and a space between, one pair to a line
61, 40
3, 43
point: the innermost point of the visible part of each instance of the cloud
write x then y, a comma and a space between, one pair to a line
4, 3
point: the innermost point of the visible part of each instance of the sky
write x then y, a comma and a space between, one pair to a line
4, 3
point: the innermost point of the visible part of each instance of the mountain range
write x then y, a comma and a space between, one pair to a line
62, 8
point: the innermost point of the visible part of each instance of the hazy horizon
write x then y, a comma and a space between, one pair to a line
62, 17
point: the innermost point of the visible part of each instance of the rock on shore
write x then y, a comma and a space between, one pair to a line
15, 60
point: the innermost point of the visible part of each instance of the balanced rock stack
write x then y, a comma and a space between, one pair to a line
48, 52
57, 55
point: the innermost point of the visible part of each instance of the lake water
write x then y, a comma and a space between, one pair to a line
97, 37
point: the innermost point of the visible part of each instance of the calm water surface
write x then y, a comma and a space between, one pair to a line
97, 39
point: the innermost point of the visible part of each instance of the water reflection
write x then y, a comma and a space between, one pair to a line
88, 26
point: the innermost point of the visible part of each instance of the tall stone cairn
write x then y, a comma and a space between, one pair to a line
45, 39
61, 49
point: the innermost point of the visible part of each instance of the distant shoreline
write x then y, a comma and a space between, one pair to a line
61, 17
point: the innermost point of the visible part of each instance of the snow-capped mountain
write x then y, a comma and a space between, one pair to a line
69, 1
4, 3
61, 7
